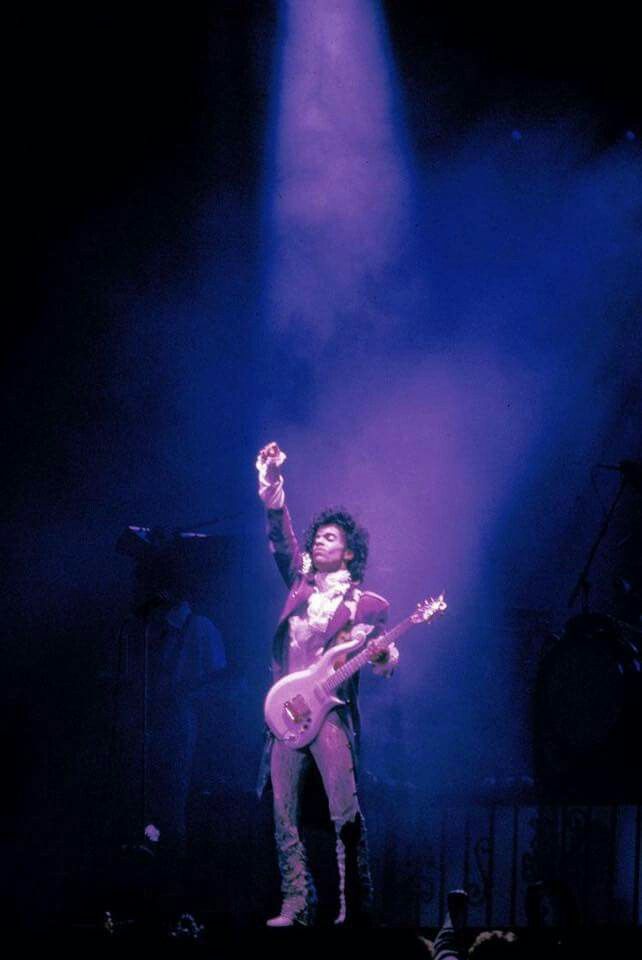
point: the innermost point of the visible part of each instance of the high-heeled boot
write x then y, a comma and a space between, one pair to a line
355, 882
297, 887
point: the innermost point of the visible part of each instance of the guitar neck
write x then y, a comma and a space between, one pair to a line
356, 663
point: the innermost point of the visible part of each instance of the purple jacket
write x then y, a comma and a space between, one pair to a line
370, 609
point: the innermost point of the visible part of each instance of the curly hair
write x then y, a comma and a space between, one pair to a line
494, 944
357, 537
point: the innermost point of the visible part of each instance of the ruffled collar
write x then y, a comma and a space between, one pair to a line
329, 590
337, 581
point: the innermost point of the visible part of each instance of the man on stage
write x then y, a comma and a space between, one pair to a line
324, 602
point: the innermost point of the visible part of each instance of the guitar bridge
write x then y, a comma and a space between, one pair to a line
296, 709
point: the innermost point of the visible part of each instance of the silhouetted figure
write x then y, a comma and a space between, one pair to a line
490, 945
172, 660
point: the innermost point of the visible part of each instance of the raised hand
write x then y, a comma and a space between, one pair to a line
458, 908
271, 451
272, 457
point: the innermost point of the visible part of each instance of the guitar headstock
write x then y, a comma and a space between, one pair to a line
427, 609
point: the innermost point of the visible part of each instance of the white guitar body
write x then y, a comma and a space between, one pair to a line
297, 705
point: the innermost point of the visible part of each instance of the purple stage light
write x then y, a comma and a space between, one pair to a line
341, 190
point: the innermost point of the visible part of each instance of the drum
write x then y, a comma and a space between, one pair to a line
588, 713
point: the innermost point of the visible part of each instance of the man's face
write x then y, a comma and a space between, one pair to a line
329, 550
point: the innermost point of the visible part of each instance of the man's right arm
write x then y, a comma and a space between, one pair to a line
281, 536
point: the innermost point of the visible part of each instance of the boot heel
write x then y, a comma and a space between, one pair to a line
291, 915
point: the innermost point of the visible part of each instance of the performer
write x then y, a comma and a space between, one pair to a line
324, 602
186, 658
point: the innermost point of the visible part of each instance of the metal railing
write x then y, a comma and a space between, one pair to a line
584, 859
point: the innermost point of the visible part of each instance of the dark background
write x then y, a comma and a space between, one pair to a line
138, 175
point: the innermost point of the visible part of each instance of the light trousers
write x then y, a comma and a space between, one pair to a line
332, 753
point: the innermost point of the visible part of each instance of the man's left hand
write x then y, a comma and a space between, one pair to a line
379, 650
384, 657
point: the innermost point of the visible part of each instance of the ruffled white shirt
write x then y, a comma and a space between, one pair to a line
306, 633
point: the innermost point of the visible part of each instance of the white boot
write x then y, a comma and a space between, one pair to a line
297, 887
292, 912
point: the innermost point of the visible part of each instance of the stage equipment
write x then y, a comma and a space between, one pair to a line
630, 473
588, 713
141, 543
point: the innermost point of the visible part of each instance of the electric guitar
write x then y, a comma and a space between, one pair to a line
297, 705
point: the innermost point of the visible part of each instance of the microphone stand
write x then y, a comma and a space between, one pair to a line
583, 585
123, 671
145, 719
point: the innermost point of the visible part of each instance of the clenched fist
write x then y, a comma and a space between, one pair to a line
271, 457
